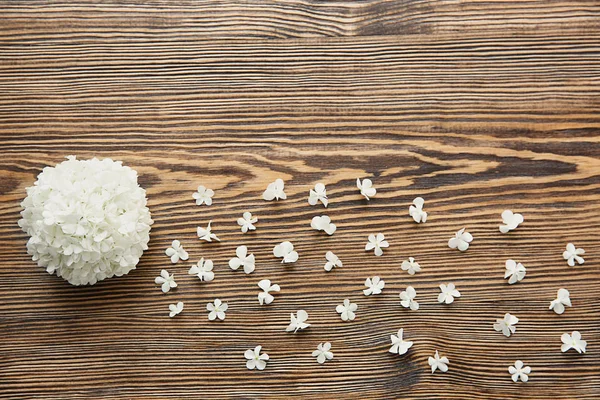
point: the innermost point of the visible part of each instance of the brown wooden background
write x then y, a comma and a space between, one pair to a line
477, 106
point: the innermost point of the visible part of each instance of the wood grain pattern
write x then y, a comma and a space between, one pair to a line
477, 106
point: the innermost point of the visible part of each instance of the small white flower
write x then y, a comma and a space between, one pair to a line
203, 270
255, 359
573, 341
460, 240
416, 210
399, 345
286, 251
298, 321
347, 310
374, 286
323, 223
366, 188
217, 310
319, 193
377, 242
407, 298
438, 362
176, 252
247, 222
275, 191
506, 324
243, 259
167, 281
562, 300
175, 309
206, 234
510, 221
515, 270
411, 266
332, 261
519, 372
449, 292
265, 297
323, 352
572, 254
203, 196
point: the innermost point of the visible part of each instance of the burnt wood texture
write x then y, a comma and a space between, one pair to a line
477, 106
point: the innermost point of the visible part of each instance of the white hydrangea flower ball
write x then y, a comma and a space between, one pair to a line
87, 220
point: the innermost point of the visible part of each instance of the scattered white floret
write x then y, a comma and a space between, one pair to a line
166, 281
347, 310
407, 298
275, 191
377, 242
265, 297
448, 293
411, 266
247, 222
437, 362
175, 309
516, 271
203, 270
562, 300
416, 210
243, 259
285, 250
332, 261
203, 196
255, 359
460, 240
323, 223
366, 188
216, 310
176, 252
573, 341
573, 254
399, 345
319, 193
206, 233
519, 372
510, 221
323, 352
298, 321
374, 286
506, 325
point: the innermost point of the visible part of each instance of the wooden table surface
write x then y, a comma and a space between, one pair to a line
478, 106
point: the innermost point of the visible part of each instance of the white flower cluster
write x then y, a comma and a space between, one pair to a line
87, 220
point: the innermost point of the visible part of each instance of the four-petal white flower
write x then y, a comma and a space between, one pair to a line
448, 293
515, 270
265, 297
206, 233
332, 261
416, 210
285, 250
243, 259
166, 281
506, 324
217, 310
298, 321
510, 221
347, 310
573, 254
255, 359
203, 270
562, 300
323, 223
399, 345
460, 240
175, 309
176, 252
366, 188
374, 286
437, 362
203, 196
407, 298
275, 191
323, 352
519, 372
411, 266
377, 242
319, 193
572, 341
247, 222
